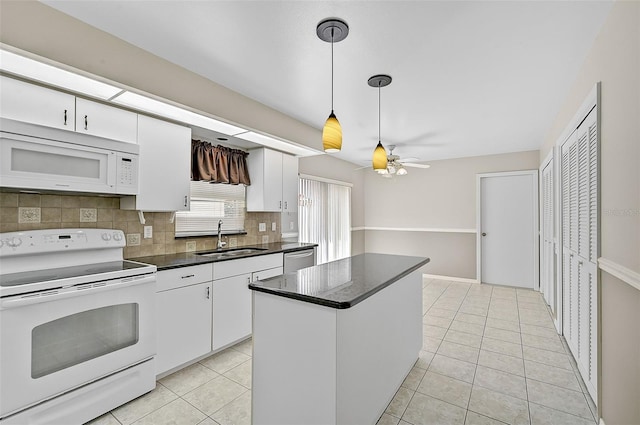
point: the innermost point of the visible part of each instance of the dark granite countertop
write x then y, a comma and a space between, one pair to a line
343, 283
185, 259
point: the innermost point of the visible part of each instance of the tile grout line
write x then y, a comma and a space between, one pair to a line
524, 365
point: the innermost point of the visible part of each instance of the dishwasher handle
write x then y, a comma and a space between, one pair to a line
302, 254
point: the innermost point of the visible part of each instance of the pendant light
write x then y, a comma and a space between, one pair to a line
379, 154
332, 30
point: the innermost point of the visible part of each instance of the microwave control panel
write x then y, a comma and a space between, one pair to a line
127, 174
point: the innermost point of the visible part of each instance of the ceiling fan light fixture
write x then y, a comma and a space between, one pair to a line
401, 171
332, 30
380, 159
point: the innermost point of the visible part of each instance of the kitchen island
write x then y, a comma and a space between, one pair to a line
333, 343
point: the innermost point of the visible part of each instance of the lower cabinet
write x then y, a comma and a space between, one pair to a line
232, 310
184, 325
204, 308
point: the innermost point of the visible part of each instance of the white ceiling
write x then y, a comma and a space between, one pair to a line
469, 77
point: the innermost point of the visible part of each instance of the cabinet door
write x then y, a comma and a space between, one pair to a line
231, 310
165, 152
26, 102
272, 180
265, 191
183, 325
106, 121
289, 183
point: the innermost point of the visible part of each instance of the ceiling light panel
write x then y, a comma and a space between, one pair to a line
54, 76
278, 144
163, 109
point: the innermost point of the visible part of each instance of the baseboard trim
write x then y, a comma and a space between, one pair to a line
623, 273
452, 278
601, 422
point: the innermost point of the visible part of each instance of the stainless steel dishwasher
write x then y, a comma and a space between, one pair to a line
299, 259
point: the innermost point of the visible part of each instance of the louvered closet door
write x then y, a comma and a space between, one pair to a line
580, 246
547, 273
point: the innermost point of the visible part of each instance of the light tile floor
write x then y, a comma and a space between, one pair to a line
490, 356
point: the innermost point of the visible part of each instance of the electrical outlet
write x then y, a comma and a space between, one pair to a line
191, 246
262, 227
265, 239
148, 232
233, 242
133, 239
273, 226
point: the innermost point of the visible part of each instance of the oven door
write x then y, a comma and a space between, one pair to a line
56, 341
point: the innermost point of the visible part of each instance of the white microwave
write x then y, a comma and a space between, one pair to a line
42, 158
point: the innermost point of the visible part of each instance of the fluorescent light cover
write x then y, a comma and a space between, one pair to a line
177, 113
277, 144
51, 75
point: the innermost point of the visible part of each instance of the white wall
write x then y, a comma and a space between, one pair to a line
614, 59
441, 197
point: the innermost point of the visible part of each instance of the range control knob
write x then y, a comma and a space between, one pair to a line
14, 242
117, 236
106, 237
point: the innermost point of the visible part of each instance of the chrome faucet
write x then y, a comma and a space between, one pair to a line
220, 243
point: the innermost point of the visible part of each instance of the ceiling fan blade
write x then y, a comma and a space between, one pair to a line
362, 168
411, 159
414, 165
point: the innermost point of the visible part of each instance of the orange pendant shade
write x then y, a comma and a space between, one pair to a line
332, 135
379, 157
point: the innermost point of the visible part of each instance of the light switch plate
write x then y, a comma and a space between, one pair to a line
191, 246
291, 225
233, 242
273, 226
148, 232
262, 227
265, 239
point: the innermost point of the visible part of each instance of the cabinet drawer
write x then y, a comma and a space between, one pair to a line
183, 276
266, 274
246, 265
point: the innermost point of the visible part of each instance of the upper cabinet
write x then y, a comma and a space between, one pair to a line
26, 102
34, 104
101, 120
274, 181
165, 161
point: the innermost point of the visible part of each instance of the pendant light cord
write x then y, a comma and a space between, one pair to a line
379, 111
332, 30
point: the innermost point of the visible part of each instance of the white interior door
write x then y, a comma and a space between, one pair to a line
508, 228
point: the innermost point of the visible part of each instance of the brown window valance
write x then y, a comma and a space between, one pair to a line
218, 164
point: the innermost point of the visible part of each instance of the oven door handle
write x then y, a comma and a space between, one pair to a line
74, 291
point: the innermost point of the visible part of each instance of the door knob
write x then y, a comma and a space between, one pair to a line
484, 234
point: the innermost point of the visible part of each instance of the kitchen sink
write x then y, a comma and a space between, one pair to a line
230, 252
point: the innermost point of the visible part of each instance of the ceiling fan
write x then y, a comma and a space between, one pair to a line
394, 166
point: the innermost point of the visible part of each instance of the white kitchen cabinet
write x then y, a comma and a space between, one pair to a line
165, 167
106, 121
274, 181
232, 311
289, 184
183, 325
34, 104
265, 170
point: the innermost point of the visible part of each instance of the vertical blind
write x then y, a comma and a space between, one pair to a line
210, 203
324, 216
